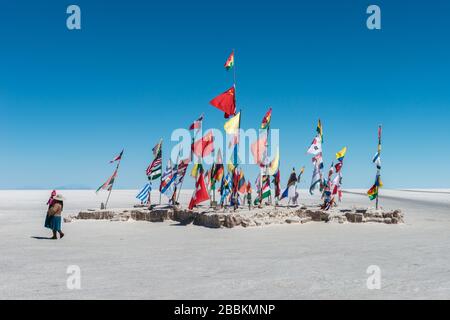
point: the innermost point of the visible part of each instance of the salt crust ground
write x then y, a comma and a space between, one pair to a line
140, 260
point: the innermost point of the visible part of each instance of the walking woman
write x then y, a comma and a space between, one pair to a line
53, 219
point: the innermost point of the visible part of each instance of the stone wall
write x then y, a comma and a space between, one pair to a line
227, 218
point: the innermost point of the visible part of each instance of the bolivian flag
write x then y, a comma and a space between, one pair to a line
373, 192
230, 62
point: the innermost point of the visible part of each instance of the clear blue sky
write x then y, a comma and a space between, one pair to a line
70, 100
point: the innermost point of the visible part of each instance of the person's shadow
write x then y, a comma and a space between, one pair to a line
41, 238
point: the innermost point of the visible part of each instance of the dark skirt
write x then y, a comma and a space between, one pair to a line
53, 222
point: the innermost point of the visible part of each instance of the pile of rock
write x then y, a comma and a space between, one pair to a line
227, 218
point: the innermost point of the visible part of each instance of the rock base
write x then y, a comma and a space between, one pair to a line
227, 218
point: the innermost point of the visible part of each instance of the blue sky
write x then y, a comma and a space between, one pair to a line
71, 100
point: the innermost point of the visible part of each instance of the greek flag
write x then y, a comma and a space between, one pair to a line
143, 194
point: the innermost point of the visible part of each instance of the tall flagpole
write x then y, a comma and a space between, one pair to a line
379, 167
110, 190
160, 178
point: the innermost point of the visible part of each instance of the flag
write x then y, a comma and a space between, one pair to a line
373, 192
204, 146
274, 164
232, 125
218, 167
154, 170
266, 120
276, 183
316, 146
318, 161
234, 160
259, 148
377, 160
109, 183
226, 102
143, 194
200, 194
378, 181
230, 61
292, 183
196, 169
320, 131
157, 150
316, 179
166, 187
181, 170
197, 124
249, 187
341, 154
118, 158
241, 188
265, 190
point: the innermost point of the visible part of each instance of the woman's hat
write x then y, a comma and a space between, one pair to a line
59, 197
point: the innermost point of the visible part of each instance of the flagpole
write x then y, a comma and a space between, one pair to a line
160, 178
110, 190
378, 170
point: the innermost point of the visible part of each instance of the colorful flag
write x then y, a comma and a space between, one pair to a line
320, 131
230, 62
109, 183
154, 170
197, 124
266, 120
143, 195
218, 167
276, 183
200, 194
232, 125
204, 146
265, 190
169, 176
196, 169
226, 102
181, 170
341, 154
373, 192
118, 158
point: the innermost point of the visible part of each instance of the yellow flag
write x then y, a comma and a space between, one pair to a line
195, 169
341, 154
273, 167
232, 125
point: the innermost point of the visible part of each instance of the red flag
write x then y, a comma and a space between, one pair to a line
204, 146
197, 123
201, 193
259, 148
226, 102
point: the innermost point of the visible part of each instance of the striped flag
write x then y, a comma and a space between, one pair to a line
167, 179
154, 170
144, 193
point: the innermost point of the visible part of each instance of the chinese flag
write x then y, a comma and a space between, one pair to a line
204, 146
226, 102
201, 193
